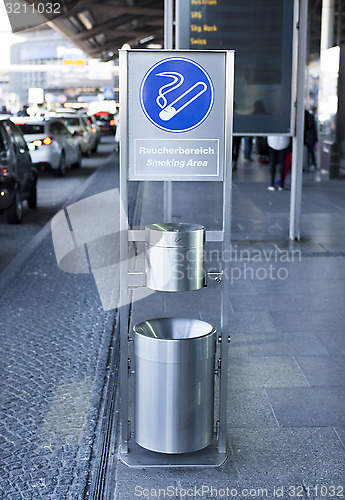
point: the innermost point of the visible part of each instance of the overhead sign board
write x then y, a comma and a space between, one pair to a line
261, 34
176, 112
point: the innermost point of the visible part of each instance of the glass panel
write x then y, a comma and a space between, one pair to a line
31, 128
261, 33
70, 121
16, 136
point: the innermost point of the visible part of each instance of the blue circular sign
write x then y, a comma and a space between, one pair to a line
176, 94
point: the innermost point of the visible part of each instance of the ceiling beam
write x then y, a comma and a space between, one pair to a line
100, 28
111, 8
115, 44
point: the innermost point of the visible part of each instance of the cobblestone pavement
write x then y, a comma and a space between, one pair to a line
55, 341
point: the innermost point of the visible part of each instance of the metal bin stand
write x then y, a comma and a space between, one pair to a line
174, 390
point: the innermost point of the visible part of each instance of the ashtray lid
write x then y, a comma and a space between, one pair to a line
171, 234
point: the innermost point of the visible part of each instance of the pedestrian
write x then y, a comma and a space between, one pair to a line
23, 111
236, 145
259, 109
278, 147
310, 138
117, 131
248, 147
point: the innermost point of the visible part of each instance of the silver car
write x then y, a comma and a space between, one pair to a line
79, 127
50, 143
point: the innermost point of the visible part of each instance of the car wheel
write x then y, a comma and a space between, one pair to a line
77, 164
14, 214
32, 200
60, 172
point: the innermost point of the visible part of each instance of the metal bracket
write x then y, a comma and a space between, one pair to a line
136, 279
215, 236
136, 235
214, 277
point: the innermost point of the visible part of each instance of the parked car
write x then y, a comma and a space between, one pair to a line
79, 127
106, 121
50, 143
18, 176
96, 132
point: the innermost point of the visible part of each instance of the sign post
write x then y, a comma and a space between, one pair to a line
176, 125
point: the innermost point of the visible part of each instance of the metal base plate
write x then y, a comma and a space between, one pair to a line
140, 457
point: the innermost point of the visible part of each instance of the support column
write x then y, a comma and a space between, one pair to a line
327, 24
298, 139
326, 42
168, 44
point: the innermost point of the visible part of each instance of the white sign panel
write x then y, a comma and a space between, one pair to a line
176, 102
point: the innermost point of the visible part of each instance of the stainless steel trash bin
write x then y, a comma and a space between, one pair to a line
174, 384
174, 257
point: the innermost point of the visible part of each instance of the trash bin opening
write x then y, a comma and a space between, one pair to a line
174, 328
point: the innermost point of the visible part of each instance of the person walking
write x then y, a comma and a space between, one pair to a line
236, 145
278, 147
310, 138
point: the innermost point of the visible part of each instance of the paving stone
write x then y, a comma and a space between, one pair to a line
308, 453
285, 344
340, 432
307, 321
271, 302
251, 322
249, 373
301, 407
250, 409
323, 371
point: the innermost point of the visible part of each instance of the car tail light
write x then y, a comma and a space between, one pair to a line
93, 130
4, 170
112, 122
47, 141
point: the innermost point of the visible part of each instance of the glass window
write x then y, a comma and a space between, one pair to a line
31, 128
15, 135
70, 121
3, 140
57, 128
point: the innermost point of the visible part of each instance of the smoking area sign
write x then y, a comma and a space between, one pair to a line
176, 115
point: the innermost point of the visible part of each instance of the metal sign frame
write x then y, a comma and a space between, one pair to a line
130, 453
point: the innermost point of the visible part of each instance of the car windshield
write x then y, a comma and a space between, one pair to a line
70, 121
31, 128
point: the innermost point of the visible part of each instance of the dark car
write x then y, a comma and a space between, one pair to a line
18, 177
106, 121
96, 132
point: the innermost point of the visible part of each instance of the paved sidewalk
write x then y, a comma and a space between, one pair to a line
286, 400
286, 408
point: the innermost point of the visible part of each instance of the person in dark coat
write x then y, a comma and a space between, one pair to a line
310, 138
